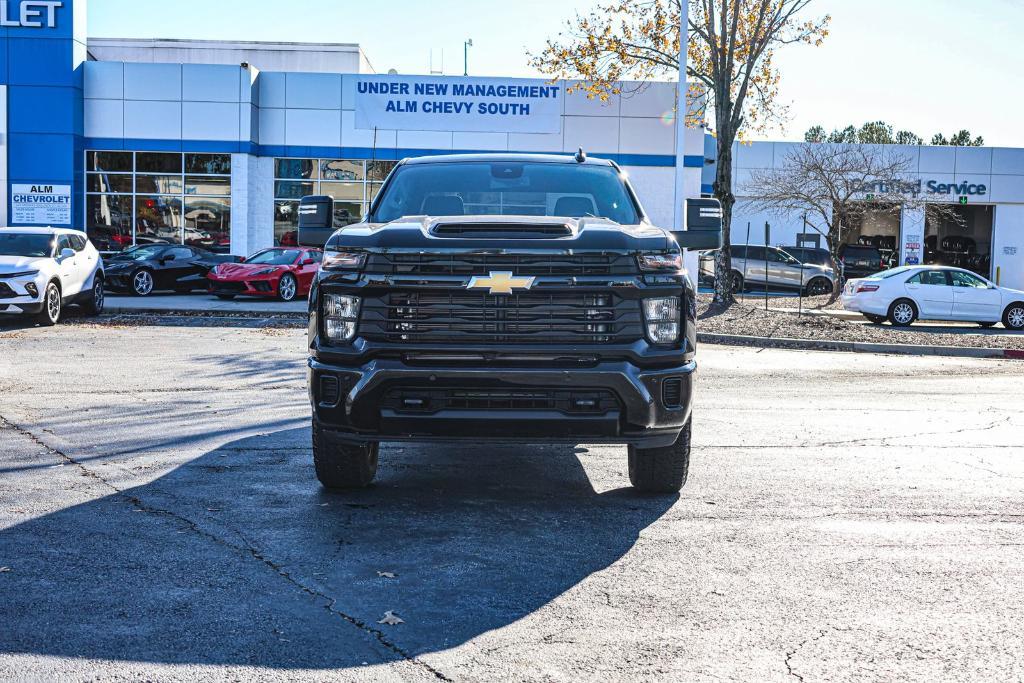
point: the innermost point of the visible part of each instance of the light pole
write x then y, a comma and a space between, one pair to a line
465, 56
679, 215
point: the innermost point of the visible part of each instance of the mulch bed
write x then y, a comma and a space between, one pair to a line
750, 319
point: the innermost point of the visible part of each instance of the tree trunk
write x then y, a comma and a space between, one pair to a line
723, 192
833, 250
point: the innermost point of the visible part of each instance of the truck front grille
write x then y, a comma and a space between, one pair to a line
446, 316
397, 263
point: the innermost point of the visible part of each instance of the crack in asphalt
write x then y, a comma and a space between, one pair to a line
249, 550
792, 653
884, 440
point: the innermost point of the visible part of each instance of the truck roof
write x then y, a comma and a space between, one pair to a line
506, 157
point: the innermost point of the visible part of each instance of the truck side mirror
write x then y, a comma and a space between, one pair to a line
316, 220
703, 225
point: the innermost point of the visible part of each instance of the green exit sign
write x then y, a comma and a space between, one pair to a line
870, 197
963, 200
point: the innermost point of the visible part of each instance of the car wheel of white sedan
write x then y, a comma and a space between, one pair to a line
902, 313
1013, 318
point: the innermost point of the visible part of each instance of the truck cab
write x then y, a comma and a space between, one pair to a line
502, 298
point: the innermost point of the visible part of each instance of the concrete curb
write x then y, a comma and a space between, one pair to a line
859, 347
204, 313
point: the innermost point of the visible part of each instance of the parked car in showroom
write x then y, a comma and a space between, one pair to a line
903, 295
774, 267
43, 270
281, 272
145, 269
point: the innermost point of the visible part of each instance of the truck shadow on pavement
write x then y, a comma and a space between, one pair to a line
240, 558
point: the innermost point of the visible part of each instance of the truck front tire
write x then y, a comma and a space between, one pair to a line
342, 465
661, 470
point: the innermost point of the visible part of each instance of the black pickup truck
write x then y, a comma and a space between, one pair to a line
503, 298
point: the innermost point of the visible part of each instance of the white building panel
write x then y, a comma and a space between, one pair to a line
103, 80
655, 187
313, 91
490, 142
210, 121
1007, 189
273, 90
312, 127
646, 136
210, 83
424, 139
652, 100
597, 135
1008, 246
578, 104
535, 142
360, 137
754, 155
1007, 161
152, 120
973, 160
104, 118
937, 160
152, 82
271, 131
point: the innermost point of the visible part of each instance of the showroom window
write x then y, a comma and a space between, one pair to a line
352, 183
158, 198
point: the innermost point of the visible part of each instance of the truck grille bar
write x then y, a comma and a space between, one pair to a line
446, 316
398, 263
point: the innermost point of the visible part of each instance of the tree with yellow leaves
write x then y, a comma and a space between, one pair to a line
730, 58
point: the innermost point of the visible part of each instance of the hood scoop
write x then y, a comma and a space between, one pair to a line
522, 229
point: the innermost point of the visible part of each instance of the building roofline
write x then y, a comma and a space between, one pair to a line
227, 44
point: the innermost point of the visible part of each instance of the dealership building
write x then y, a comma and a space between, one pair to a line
213, 143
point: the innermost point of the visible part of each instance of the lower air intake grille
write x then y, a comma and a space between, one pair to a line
672, 392
330, 391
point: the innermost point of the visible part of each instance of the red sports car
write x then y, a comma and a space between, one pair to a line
282, 272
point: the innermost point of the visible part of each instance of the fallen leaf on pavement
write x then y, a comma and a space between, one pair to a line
391, 619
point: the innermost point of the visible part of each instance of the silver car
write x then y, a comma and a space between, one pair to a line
760, 266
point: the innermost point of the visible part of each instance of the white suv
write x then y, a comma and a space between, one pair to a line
42, 270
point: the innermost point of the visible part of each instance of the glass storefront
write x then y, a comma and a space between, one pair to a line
158, 198
353, 183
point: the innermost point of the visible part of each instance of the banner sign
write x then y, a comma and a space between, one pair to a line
483, 105
40, 204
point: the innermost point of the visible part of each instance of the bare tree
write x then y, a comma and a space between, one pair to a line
835, 186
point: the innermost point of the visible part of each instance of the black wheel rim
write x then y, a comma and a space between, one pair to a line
98, 296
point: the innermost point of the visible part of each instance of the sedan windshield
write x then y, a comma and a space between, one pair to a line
26, 244
274, 257
506, 188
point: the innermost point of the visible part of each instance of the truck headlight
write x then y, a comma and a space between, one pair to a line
661, 262
341, 314
343, 260
662, 316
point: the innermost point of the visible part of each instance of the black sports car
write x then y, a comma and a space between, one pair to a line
145, 269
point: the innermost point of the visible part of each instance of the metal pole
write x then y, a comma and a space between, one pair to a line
744, 288
767, 229
801, 311
679, 198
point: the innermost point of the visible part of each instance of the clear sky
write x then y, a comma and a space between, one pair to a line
923, 65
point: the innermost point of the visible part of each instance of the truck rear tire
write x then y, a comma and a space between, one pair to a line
661, 470
342, 465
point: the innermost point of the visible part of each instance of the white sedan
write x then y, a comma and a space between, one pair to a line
903, 295
42, 270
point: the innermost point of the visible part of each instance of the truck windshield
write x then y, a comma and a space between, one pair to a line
26, 244
506, 189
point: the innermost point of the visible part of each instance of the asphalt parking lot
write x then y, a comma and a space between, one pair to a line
847, 518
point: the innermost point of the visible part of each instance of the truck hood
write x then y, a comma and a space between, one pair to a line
502, 233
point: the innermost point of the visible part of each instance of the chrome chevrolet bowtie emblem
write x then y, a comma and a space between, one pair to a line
501, 283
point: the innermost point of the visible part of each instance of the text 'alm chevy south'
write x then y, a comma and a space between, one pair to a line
508, 298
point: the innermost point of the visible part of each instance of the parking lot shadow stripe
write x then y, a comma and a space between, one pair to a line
240, 558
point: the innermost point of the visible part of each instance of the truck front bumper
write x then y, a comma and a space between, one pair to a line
612, 402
